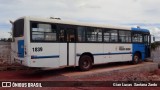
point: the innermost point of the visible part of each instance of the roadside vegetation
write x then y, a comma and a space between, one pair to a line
155, 45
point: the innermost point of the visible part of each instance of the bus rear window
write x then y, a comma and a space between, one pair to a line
18, 28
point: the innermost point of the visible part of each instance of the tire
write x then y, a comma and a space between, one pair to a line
136, 58
85, 63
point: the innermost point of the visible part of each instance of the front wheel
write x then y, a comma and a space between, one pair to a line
136, 58
85, 63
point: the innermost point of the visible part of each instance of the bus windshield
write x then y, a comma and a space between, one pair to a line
18, 28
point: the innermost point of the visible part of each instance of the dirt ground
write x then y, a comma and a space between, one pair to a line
54, 75
59, 75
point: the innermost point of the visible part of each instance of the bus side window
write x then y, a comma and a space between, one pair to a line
81, 34
72, 38
137, 38
106, 35
119, 40
61, 35
124, 36
94, 34
114, 36
70, 33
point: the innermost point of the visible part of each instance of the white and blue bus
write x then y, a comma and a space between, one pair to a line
51, 43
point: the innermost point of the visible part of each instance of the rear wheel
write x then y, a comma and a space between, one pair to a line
85, 63
136, 58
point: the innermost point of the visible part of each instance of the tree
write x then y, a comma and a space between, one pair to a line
155, 45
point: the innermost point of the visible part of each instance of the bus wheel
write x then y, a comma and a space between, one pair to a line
136, 58
85, 63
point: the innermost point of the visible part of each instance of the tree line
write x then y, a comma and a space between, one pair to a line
5, 39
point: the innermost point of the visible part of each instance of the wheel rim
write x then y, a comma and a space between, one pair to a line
85, 63
136, 58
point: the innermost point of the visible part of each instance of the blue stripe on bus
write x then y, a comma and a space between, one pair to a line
41, 57
98, 54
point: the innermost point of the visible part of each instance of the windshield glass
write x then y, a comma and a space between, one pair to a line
18, 28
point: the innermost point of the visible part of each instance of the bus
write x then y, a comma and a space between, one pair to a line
52, 43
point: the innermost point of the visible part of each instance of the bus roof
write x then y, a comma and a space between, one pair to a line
140, 29
82, 23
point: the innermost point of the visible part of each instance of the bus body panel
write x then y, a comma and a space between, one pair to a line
72, 54
53, 55
104, 53
62, 54
118, 52
18, 51
20, 48
44, 55
93, 48
139, 48
27, 42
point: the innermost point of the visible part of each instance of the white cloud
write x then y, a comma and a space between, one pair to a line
107, 10
97, 11
155, 31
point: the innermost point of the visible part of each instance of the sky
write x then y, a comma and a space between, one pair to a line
143, 13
